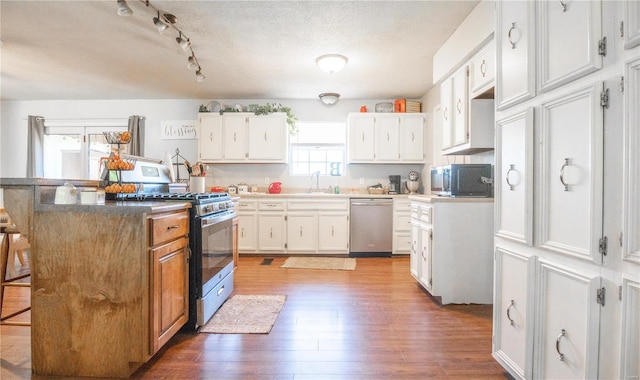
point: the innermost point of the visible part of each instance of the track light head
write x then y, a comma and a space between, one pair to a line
160, 25
185, 44
199, 76
123, 8
192, 64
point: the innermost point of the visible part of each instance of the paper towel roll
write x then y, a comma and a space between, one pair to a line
167, 161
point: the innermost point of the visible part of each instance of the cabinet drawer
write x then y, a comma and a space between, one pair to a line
271, 205
168, 227
244, 205
318, 205
402, 222
427, 214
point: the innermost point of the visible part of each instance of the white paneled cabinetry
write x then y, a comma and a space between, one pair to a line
566, 216
467, 120
401, 226
451, 252
386, 138
243, 138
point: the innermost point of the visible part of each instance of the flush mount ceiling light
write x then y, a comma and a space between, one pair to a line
329, 98
164, 21
331, 63
123, 8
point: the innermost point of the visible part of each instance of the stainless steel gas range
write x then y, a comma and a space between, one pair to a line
210, 238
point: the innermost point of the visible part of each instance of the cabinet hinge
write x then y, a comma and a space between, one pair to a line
604, 98
602, 46
285, 247
602, 246
622, 84
620, 293
621, 28
600, 296
431, 235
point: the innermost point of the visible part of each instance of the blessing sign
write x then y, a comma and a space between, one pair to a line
178, 129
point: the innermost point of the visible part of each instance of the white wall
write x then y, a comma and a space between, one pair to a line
13, 136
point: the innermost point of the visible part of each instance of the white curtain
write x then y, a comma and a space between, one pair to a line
136, 128
35, 147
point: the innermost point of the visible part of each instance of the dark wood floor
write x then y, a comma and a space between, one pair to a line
371, 323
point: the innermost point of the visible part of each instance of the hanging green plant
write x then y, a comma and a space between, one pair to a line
277, 107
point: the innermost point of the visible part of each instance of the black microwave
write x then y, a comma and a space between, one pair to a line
462, 180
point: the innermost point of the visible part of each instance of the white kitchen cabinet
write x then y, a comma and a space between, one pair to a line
401, 226
271, 225
513, 311
425, 258
247, 226
631, 166
243, 137
361, 137
302, 232
333, 232
210, 138
482, 71
386, 137
571, 177
267, 137
515, 52
412, 137
568, 323
455, 255
630, 332
513, 183
467, 124
631, 24
387, 141
568, 45
416, 242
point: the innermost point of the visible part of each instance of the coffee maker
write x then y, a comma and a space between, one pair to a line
394, 184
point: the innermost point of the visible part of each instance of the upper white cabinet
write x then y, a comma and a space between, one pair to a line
515, 52
513, 183
571, 176
467, 123
569, 44
386, 137
482, 70
243, 137
631, 24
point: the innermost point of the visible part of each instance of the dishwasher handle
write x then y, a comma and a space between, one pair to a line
377, 202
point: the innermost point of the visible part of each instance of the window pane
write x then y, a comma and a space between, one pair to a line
63, 157
318, 146
98, 148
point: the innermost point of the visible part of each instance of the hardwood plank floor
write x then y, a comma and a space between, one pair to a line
371, 323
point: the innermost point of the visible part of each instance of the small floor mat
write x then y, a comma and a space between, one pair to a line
246, 314
338, 263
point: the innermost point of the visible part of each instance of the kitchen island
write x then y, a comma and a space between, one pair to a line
109, 283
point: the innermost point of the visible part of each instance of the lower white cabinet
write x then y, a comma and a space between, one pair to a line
401, 227
512, 311
415, 240
304, 225
567, 323
454, 259
630, 332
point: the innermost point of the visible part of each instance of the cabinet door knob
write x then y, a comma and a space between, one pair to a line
483, 68
459, 106
564, 165
512, 186
563, 5
510, 37
512, 303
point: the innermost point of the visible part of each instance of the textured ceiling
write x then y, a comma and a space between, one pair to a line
247, 49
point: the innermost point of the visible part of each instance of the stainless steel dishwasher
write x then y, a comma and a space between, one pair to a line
371, 229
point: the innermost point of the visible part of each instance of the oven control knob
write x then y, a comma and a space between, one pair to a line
222, 205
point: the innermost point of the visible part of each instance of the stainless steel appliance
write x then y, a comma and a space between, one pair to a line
210, 239
371, 221
395, 186
462, 180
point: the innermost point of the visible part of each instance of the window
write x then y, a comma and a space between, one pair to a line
318, 146
74, 149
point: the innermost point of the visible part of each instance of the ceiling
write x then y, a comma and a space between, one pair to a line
246, 49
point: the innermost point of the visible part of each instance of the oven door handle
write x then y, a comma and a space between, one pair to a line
206, 221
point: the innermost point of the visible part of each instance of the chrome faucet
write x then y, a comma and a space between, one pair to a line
317, 175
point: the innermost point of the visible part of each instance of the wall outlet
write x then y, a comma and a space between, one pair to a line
362, 180
266, 180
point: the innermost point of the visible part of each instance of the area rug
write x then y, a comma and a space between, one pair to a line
246, 314
320, 263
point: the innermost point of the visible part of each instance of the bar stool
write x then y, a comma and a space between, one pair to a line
9, 248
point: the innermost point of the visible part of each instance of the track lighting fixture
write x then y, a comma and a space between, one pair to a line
123, 8
162, 22
160, 25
